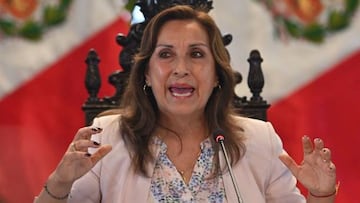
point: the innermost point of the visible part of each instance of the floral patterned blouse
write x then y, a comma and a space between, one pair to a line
168, 186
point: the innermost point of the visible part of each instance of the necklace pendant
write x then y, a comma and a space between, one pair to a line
182, 174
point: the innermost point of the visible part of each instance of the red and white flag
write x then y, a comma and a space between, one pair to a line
42, 88
310, 81
311, 52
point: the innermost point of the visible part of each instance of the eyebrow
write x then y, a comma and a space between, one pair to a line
191, 45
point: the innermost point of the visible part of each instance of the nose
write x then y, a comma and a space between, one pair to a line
182, 67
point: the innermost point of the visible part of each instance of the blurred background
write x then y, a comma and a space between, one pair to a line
311, 52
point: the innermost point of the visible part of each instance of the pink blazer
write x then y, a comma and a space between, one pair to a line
260, 175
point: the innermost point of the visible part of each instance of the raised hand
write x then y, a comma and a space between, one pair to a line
316, 172
76, 160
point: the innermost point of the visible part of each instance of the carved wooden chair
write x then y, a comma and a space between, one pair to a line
255, 107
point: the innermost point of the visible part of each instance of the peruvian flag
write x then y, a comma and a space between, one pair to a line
312, 87
42, 90
312, 82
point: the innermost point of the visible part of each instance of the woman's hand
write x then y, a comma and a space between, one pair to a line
316, 172
77, 161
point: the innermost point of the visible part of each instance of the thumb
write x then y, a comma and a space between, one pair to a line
100, 153
290, 163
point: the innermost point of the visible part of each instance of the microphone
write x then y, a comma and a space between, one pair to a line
218, 136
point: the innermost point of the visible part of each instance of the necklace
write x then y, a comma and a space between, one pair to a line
182, 174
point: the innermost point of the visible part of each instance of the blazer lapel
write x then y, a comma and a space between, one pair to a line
249, 190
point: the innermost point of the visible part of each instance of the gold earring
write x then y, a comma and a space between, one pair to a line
144, 88
218, 85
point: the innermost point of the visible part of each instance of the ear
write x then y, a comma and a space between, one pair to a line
147, 77
217, 82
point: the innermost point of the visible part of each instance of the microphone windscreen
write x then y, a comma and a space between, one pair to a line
218, 135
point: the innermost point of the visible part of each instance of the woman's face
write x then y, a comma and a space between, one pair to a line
181, 70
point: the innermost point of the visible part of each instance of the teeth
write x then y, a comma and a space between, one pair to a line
186, 94
181, 92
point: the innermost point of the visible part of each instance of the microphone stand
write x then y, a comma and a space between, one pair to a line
220, 139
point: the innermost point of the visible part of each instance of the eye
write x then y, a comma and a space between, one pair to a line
164, 54
196, 54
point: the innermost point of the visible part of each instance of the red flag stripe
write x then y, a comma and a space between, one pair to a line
328, 108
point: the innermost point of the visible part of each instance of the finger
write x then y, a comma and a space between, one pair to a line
290, 163
100, 153
83, 145
307, 145
86, 132
332, 167
73, 156
319, 144
325, 154
72, 147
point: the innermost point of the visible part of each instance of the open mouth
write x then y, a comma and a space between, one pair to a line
181, 91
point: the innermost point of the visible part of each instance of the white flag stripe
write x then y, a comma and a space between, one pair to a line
21, 59
287, 66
